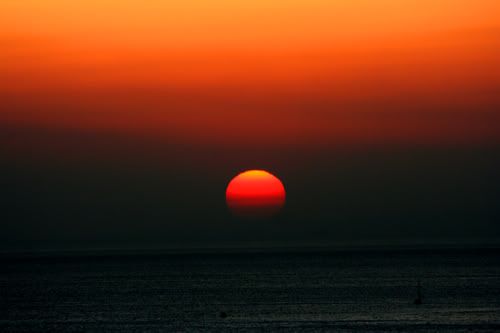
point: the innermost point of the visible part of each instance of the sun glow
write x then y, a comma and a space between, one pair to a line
255, 194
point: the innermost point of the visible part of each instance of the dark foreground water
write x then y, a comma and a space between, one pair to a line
344, 291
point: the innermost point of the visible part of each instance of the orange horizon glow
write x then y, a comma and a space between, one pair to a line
218, 72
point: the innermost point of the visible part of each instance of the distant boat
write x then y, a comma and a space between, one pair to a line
418, 300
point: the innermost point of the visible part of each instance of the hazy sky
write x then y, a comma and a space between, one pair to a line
121, 122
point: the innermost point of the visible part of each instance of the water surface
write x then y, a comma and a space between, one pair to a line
344, 291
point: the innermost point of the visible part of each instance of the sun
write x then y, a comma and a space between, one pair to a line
255, 194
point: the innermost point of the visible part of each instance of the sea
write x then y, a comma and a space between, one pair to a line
349, 290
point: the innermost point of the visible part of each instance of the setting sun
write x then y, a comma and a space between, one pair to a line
255, 194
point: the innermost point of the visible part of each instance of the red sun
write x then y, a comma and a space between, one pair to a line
255, 194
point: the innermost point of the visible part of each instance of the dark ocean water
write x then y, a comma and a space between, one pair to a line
343, 291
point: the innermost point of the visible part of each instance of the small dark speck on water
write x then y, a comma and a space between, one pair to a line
418, 300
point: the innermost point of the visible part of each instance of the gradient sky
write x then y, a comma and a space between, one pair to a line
124, 120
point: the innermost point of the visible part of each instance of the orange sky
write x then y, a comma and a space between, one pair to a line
255, 72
